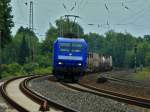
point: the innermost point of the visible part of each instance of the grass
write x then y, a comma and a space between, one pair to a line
143, 75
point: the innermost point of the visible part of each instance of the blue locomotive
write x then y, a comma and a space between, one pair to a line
69, 58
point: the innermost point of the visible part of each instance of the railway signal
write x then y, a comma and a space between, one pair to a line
135, 57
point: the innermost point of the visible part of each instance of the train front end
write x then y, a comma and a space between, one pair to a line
69, 58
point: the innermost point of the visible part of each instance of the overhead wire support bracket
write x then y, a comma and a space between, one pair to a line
67, 18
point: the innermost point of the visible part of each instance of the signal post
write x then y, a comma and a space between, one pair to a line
135, 57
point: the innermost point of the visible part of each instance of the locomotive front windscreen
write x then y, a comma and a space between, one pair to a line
64, 47
70, 47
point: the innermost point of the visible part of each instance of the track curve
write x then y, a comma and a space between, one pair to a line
16, 93
11, 92
40, 99
133, 100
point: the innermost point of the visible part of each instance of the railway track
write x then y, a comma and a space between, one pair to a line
76, 97
115, 77
139, 101
128, 82
25, 97
16, 93
98, 89
133, 100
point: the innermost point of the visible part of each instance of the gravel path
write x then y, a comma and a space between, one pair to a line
83, 102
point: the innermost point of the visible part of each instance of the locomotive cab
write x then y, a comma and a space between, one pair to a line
69, 58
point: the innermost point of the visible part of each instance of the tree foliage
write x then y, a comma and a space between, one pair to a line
23, 51
47, 44
17, 46
6, 22
121, 47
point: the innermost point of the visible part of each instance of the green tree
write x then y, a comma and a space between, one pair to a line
6, 22
95, 42
32, 41
129, 59
117, 45
47, 44
147, 37
12, 50
23, 51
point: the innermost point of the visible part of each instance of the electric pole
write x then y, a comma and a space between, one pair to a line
31, 16
31, 27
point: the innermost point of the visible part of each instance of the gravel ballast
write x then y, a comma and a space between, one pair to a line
127, 76
81, 101
118, 84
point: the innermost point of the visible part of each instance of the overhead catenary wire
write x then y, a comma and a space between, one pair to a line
108, 14
67, 7
134, 17
107, 8
128, 20
125, 6
64, 6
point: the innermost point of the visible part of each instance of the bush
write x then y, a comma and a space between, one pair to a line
30, 67
143, 75
11, 68
4, 67
5, 74
42, 71
17, 70
44, 61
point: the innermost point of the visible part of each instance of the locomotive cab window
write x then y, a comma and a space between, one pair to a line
64, 47
70, 47
76, 47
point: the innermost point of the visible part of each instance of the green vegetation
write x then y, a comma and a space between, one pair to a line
6, 22
121, 47
143, 75
15, 69
25, 54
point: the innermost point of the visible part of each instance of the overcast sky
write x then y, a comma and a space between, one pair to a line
132, 16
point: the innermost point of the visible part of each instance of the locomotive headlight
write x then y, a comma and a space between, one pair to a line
60, 63
79, 64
